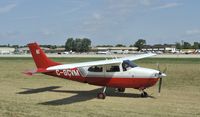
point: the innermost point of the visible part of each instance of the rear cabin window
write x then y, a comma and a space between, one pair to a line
114, 68
95, 69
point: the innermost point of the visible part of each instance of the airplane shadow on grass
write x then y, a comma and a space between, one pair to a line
80, 95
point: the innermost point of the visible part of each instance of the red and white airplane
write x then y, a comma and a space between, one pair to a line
119, 73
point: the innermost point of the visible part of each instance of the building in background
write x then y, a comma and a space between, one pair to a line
25, 50
159, 48
115, 50
6, 50
56, 50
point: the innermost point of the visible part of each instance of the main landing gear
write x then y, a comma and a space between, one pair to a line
102, 95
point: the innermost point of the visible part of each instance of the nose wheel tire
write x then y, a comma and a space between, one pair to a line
144, 94
101, 95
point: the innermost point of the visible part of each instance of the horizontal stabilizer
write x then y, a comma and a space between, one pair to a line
40, 70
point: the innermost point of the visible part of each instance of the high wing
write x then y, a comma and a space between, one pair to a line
101, 62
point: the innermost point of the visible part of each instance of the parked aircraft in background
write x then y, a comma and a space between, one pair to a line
119, 73
103, 52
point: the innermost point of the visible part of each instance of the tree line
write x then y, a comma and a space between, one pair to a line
139, 44
78, 44
84, 45
187, 45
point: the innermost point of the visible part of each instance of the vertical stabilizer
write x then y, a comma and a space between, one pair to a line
40, 57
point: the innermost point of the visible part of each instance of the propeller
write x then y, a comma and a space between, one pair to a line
160, 84
160, 75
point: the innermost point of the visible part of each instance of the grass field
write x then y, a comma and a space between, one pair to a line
40, 95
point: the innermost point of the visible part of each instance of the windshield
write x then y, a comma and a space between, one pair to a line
128, 64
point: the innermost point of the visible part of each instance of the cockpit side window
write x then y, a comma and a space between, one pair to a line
113, 68
127, 64
95, 69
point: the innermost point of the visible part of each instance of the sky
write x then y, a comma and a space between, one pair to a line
102, 21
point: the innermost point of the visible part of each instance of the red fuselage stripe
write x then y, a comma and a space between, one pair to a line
137, 83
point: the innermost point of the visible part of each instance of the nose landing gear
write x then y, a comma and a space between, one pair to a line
144, 94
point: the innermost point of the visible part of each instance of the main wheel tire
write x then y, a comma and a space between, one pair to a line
144, 94
101, 95
121, 89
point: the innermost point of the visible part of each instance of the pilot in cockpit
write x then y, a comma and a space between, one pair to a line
127, 65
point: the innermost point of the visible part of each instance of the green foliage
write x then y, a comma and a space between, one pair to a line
49, 46
15, 46
120, 45
196, 45
86, 44
69, 44
186, 45
139, 43
178, 46
104, 46
3, 45
78, 45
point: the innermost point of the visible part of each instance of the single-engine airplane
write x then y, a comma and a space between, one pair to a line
119, 73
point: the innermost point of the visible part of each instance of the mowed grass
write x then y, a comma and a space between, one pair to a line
45, 96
